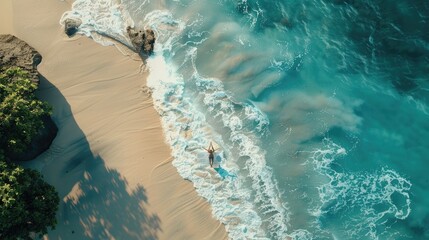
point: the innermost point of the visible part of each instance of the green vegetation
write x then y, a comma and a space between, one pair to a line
20, 112
27, 203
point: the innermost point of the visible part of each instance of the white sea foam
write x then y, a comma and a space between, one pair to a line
375, 197
102, 20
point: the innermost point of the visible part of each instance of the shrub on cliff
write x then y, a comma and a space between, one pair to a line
20, 112
27, 203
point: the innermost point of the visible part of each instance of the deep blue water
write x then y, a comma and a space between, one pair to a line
320, 108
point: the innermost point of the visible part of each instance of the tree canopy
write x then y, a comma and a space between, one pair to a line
20, 111
28, 204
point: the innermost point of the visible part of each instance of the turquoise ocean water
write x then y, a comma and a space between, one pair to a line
320, 109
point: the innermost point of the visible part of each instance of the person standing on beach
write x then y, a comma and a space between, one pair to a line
211, 151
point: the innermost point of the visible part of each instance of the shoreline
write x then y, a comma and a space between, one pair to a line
109, 162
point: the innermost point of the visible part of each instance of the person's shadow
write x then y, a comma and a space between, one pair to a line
95, 201
223, 173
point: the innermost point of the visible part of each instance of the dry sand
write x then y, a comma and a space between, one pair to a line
109, 161
6, 23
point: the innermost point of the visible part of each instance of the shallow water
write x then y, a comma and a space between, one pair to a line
320, 108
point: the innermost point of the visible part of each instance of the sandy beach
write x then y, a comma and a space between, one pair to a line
109, 161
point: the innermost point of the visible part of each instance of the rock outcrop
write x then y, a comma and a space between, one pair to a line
71, 26
142, 40
15, 52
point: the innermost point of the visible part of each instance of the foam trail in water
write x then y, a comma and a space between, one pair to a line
376, 198
185, 132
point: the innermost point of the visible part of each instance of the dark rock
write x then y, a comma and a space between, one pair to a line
15, 52
143, 40
71, 26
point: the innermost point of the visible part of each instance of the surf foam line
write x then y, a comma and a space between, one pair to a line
375, 198
249, 211
186, 133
